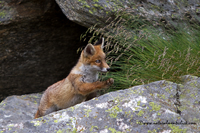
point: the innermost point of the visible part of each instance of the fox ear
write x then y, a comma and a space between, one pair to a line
100, 42
89, 50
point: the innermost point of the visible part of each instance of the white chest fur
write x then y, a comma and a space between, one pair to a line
90, 77
89, 73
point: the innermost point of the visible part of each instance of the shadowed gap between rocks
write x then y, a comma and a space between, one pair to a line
37, 52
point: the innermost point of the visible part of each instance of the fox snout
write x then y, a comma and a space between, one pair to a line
104, 66
105, 69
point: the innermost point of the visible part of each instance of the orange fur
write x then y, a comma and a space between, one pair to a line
79, 85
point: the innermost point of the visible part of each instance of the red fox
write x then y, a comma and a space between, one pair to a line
81, 83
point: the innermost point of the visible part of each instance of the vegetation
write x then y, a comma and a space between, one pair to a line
140, 51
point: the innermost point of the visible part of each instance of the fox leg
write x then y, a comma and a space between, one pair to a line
45, 107
37, 115
44, 110
87, 88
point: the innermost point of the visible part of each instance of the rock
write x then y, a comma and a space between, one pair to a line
18, 10
155, 104
38, 45
91, 12
16, 109
190, 98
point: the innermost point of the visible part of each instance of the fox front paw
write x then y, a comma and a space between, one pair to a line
110, 81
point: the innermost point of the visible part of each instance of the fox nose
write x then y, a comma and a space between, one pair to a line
108, 69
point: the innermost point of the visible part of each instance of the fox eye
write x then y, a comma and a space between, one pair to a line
98, 61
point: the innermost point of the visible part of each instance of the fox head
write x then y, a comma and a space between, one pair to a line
94, 58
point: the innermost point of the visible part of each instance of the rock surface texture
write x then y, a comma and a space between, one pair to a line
159, 103
91, 12
38, 45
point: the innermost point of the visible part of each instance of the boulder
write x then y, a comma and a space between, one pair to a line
38, 45
161, 106
92, 12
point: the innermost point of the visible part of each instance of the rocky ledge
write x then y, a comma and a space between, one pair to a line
161, 106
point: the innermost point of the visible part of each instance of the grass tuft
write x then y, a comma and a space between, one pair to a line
140, 51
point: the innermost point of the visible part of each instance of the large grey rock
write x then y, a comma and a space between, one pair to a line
38, 45
91, 12
120, 111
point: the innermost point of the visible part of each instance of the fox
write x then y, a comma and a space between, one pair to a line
80, 85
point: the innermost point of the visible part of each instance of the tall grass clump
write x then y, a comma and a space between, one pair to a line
140, 51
